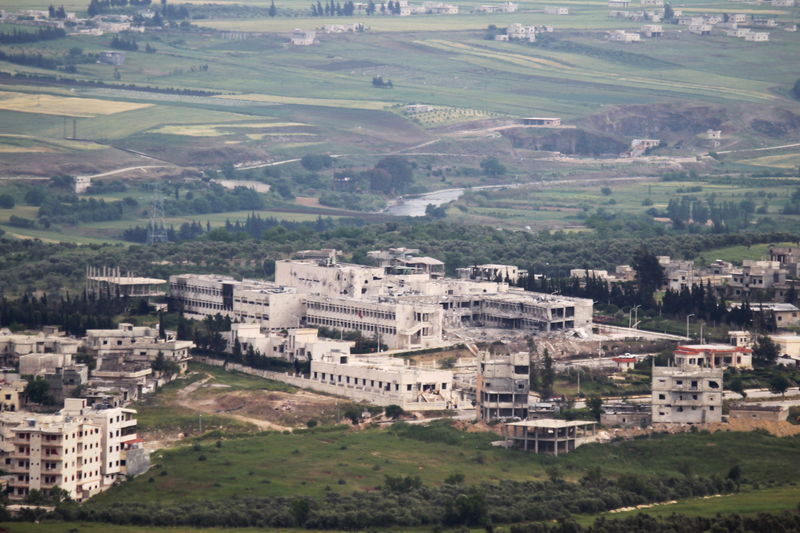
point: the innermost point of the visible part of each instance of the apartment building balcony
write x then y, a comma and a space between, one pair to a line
128, 423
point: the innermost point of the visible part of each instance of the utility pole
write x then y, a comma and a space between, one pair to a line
687, 325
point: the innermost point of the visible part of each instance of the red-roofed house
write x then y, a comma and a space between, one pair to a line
713, 356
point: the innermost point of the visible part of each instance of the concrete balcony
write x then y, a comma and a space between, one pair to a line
128, 423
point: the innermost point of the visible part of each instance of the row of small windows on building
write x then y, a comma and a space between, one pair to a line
202, 304
349, 310
197, 289
345, 324
263, 303
680, 409
348, 380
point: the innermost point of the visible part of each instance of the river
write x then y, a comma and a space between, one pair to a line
414, 206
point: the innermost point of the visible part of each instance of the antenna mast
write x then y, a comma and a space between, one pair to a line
156, 229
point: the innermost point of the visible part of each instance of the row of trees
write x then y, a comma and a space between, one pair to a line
332, 9
17, 36
406, 502
124, 43
74, 314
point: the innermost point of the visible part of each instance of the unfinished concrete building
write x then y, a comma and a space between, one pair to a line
492, 272
404, 261
503, 385
113, 282
48, 341
550, 436
687, 395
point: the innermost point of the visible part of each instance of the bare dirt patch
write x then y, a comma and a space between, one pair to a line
266, 409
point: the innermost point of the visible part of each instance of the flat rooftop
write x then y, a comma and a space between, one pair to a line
552, 423
123, 280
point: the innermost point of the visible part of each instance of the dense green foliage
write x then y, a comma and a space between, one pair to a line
32, 264
405, 501
643, 523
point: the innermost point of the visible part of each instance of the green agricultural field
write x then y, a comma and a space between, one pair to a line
749, 502
568, 204
736, 254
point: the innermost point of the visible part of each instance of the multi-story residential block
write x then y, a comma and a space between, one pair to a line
503, 385
81, 450
687, 395
42, 452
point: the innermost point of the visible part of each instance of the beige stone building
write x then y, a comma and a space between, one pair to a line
81, 450
686, 395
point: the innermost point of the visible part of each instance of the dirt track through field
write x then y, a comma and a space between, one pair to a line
185, 400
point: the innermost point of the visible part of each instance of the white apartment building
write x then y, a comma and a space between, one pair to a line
385, 381
687, 395
556, 10
117, 437
42, 452
81, 450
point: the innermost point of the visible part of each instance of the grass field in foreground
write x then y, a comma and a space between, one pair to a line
273, 464
770, 500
